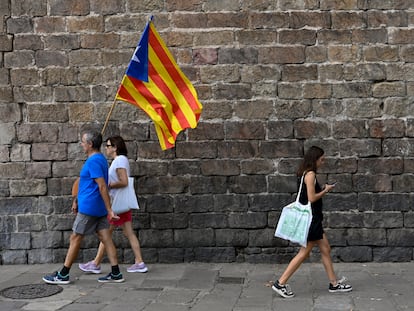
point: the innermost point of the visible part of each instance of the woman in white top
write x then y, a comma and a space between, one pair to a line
118, 178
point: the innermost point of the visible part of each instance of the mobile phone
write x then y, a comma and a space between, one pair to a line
333, 183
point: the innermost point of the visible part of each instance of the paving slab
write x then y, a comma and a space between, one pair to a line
218, 286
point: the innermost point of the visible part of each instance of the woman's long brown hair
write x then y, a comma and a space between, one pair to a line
309, 160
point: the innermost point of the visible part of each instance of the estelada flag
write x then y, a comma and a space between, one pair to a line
154, 82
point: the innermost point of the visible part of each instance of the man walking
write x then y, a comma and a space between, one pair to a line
92, 206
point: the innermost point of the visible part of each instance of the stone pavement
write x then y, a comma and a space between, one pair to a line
218, 287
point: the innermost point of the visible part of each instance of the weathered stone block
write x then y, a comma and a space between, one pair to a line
14, 257
18, 59
237, 149
374, 36
224, 73
206, 185
28, 187
6, 43
352, 253
246, 130
307, 129
259, 166
400, 36
381, 53
215, 254
392, 254
247, 184
300, 19
62, 222
374, 183
281, 55
247, 220
79, 24
194, 237
205, 56
207, 131
64, 8
381, 166
360, 147
263, 238
246, 55
302, 36
22, 24
207, 220
44, 151
46, 239
398, 147
39, 256
220, 167
12, 170
51, 58
230, 202
232, 237
369, 237
164, 184
170, 255
7, 133
193, 150
169, 220
272, 20
41, 113
20, 240
400, 237
409, 220
20, 153
256, 37
188, 204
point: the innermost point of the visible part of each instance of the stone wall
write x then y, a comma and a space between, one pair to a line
274, 77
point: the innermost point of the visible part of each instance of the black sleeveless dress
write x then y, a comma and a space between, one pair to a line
316, 229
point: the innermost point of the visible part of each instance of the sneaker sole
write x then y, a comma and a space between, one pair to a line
90, 271
111, 281
340, 290
139, 270
56, 282
278, 291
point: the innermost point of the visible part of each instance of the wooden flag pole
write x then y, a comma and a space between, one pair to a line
108, 116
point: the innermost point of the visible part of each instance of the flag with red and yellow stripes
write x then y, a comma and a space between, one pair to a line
155, 83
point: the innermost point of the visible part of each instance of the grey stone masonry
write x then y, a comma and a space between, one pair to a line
274, 78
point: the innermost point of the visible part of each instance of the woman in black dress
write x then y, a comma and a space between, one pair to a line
312, 192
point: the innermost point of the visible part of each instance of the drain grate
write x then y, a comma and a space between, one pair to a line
230, 280
31, 291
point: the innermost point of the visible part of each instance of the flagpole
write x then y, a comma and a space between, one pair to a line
108, 116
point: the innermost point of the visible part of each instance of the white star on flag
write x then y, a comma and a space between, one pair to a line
134, 57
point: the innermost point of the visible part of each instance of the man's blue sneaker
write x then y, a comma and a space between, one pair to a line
111, 278
56, 278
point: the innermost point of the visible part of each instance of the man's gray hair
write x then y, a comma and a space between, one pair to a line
95, 138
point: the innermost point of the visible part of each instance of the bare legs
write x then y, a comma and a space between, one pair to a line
133, 241
105, 236
325, 249
74, 246
304, 252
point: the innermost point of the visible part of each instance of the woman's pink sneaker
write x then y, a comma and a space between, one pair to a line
90, 267
138, 267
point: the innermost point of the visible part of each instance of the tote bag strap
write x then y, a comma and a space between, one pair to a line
300, 188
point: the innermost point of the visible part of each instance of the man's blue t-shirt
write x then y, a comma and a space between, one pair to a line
90, 201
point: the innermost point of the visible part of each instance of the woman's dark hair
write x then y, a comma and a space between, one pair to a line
119, 143
309, 160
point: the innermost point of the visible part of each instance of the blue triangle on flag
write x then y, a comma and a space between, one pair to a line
138, 66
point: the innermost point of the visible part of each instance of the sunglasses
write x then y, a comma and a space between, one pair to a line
107, 146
